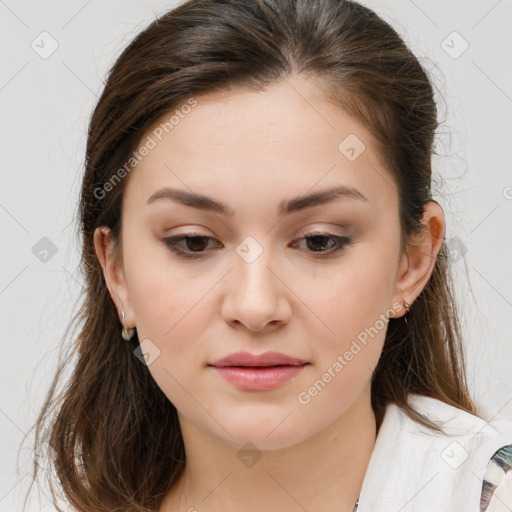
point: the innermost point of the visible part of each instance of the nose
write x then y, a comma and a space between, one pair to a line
257, 295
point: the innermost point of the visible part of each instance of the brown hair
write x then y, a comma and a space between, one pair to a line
115, 436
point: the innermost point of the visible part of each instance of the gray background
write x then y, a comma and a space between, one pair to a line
46, 101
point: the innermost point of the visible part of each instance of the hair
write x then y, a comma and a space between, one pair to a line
130, 458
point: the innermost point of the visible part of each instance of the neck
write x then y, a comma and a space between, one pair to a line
323, 473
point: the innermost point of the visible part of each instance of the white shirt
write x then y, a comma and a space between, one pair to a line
414, 469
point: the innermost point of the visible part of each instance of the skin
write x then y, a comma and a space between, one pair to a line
252, 150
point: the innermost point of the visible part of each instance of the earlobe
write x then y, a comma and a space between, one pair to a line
113, 274
421, 254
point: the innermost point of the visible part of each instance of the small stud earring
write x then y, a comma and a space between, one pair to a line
407, 308
127, 334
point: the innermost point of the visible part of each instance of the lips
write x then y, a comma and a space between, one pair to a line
262, 372
246, 359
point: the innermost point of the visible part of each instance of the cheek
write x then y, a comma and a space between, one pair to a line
164, 294
173, 312
352, 297
353, 304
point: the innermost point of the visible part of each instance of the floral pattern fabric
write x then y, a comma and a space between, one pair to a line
494, 480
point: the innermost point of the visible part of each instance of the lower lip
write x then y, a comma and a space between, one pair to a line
258, 379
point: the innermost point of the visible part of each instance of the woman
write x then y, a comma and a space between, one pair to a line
269, 321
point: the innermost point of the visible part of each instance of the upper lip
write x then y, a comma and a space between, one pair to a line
265, 359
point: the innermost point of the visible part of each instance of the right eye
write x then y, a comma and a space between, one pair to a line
195, 245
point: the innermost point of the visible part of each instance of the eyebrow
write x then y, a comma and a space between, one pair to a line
286, 207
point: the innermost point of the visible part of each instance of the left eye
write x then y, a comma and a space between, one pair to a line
318, 240
195, 244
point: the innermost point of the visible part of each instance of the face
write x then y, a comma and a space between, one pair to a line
315, 280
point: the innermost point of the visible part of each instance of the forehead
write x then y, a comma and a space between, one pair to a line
280, 142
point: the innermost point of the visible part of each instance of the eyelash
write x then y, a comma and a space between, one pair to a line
172, 244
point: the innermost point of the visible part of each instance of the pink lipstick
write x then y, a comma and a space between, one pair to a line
260, 372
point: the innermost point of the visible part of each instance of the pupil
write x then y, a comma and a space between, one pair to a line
318, 239
192, 240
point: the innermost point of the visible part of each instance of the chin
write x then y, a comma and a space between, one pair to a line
263, 434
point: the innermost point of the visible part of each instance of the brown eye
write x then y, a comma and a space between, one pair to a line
195, 245
319, 242
323, 243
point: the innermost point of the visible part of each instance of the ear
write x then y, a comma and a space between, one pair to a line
417, 264
114, 275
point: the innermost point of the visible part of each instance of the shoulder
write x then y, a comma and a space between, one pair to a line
442, 471
457, 422
485, 443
